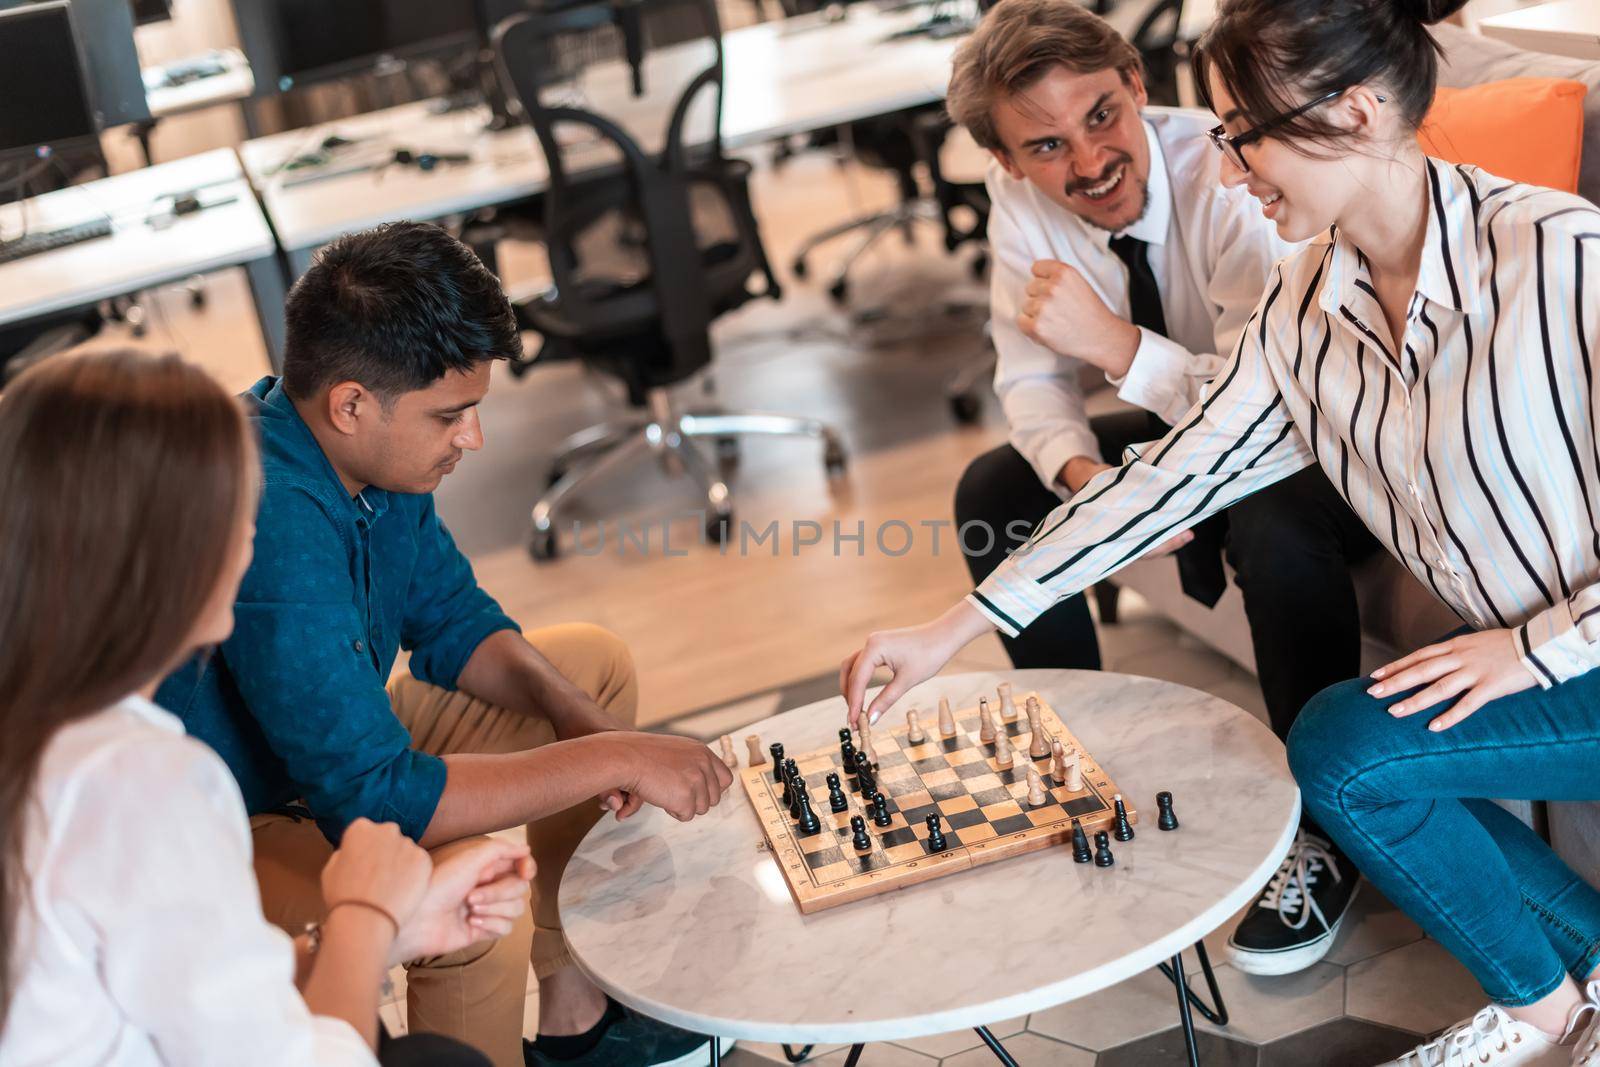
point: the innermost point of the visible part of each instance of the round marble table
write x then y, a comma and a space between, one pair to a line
692, 923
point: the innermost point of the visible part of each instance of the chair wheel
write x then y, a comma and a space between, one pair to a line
834, 462
839, 291
542, 546
719, 528
799, 268
965, 407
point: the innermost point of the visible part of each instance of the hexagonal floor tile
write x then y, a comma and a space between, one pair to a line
1166, 1049
941, 1045
1372, 926
1265, 1009
1030, 1049
1339, 1044
1419, 987
765, 1053
875, 1055
1143, 1005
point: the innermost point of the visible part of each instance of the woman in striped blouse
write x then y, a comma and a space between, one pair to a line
1431, 348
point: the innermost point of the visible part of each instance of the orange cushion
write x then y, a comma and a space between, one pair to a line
1526, 129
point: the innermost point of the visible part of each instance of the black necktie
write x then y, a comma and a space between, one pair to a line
1200, 561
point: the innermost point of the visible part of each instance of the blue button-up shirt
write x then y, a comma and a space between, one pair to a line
294, 701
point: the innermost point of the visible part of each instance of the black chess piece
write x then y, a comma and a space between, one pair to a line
880, 810
1165, 819
858, 834
866, 781
847, 753
787, 778
936, 839
1080, 844
776, 748
844, 736
1121, 828
837, 801
796, 793
809, 824
1102, 850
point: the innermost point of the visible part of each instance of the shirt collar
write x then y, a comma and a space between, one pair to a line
371, 503
1152, 226
138, 706
1448, 273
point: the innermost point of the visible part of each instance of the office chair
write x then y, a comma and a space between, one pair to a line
645, 250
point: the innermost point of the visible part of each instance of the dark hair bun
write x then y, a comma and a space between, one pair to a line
1428, 12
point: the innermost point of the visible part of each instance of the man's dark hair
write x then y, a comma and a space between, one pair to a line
394, 308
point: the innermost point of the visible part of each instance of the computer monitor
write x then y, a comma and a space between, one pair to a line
44, 97
291, 43
147, 11
105, 34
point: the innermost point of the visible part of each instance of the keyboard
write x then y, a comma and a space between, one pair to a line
31, 244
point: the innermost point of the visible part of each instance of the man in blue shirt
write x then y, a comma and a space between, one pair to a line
391, 338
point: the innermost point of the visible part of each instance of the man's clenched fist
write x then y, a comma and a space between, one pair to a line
1062, 312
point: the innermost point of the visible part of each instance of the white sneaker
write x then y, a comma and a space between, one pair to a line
1587, 1052
1490, 1037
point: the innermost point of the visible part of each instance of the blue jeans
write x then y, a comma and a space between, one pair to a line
1404, 803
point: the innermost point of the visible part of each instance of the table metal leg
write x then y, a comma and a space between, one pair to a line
268, 290
1176, 974
995, 1046
1218, 1014
716, 1051
855, 1055
797, 1057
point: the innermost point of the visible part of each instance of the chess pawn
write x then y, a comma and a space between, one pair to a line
844, 735
1074, 778
936, 839
858, 834
985, 722
1121, 828
880, 810
727, 753
1008, 710
837, 801
758, 758
1039, 741
914, 734
947, 719
1102, 850
1080, 844
809, 823
1002, 751
1058, 762
1036, 794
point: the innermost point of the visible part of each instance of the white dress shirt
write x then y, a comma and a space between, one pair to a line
1209, 248
141, 941
1469, 447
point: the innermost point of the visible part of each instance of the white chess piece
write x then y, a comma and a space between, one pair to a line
1002, 750
947, 719
985, 722
758, 758
1008, 710
914, 734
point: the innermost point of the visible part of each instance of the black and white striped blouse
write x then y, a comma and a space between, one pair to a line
1469, 449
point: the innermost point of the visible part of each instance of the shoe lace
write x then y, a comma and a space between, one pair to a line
1473, 1041
1289, 892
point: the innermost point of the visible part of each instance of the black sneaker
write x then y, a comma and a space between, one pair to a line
636, 1040
1296, 918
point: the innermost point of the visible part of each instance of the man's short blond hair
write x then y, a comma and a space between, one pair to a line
1017, 43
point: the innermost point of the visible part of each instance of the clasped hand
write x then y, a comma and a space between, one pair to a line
1062, 312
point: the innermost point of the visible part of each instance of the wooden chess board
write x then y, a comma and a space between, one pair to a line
983, 809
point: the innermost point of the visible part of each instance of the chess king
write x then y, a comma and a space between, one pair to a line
1117, 249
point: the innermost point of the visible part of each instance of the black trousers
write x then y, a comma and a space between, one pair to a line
426, 1050
1291, 546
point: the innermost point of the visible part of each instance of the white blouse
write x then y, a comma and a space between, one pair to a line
142, 942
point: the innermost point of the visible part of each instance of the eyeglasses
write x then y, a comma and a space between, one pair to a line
1232, 148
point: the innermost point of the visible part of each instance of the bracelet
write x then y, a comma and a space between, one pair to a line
370, 907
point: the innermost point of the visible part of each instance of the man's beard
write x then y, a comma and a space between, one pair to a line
1125, 161
1144, 205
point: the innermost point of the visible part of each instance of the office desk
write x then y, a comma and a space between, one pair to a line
139, 255
235, 83
1562, 28
784, 77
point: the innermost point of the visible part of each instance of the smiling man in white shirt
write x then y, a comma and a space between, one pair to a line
1114, 245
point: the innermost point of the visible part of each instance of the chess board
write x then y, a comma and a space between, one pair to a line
983, 809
